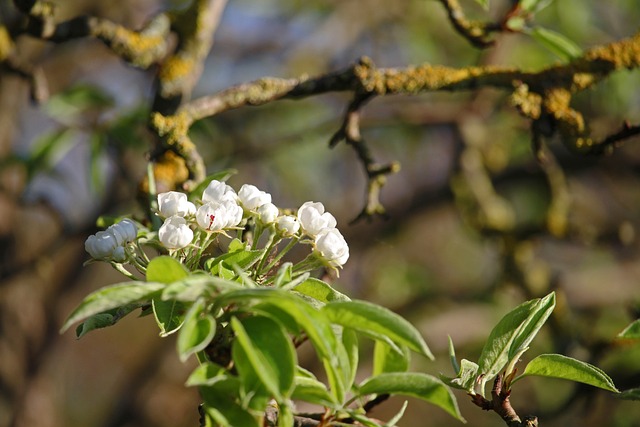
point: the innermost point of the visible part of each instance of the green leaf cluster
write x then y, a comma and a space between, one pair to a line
245, 334
506, 344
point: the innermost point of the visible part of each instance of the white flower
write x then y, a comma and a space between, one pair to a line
313, 219
101, 245
219, 192
268, 213
175, 203
252, 198
124, 231
175, 233
214, 216
288, 225
119, 255
332, 247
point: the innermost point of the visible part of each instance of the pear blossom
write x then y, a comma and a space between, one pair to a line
251, 197
313, 219
214, 216
332, 247
119, 254
268, 213
288, 225
101, 245
124, 231
175, 233
218, 191
175, 203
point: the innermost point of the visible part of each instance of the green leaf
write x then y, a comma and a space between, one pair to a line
169, 315
226, 412
269, 352
632, 331
466, 377
567, 368
534, 6
388, 359
196, 285
483, 3
513, 333
208, 373
103, 320
165, 269
556, 43
394, 420
376, 321
631, 394
197, 331
283, 276
314, 323
350, 343
97, 145
49, 149
240, 258
111, 297
76, 100
312, 391
422, 386
320, 290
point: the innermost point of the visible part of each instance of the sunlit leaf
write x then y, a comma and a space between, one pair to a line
103, 320
113, 296
512, 333
65, 106
376, 321
197, 331
567, 368
631, 394
169, 315
207, 374
314, 323
320, 290
165, 269
269, 352
466, 378
632, 331
196, 285
312, 391
414, 384
388, 359
556, 43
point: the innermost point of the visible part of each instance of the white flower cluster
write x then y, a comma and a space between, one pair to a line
109, 245
189, 228
224, 209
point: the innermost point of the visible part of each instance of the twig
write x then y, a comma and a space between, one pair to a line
501, 405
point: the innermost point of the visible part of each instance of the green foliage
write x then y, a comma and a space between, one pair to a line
557, 43
414, 384
243, 318
567, 368
632, 331
508, 341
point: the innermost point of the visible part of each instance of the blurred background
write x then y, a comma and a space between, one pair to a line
437, 259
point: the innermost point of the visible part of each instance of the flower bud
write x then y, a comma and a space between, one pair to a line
175, 233
268, 213
251, 198
124, 231
332, 246
288, 225
313, 219
101, 245
219, 192
174, 203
